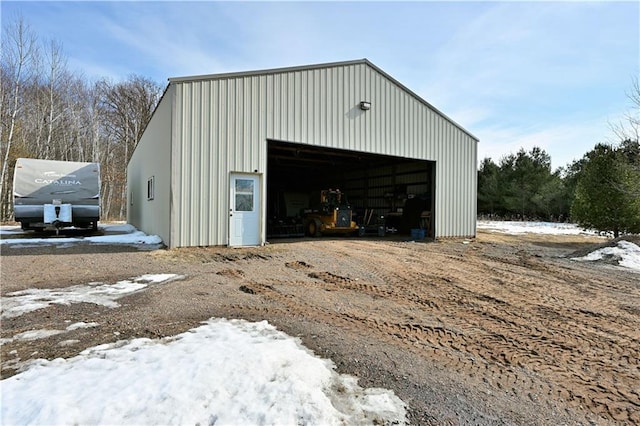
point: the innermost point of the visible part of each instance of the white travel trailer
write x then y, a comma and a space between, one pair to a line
56, 194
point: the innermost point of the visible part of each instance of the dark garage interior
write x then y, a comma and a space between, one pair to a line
387, 195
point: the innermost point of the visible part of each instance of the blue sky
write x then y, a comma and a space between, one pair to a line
515, 74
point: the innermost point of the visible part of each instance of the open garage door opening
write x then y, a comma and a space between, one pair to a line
383, 195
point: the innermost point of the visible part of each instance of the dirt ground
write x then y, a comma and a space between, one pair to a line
497, 330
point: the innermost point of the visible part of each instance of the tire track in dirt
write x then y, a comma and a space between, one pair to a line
447, 345
553, 350
514, 322
611, 352
509, 343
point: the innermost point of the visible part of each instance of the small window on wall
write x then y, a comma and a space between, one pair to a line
150, 188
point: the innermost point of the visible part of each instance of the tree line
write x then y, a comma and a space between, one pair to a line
51, 113
600, 191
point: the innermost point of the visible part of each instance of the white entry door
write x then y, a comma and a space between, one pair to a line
244, 214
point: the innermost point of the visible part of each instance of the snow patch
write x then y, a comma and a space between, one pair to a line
223, 372
517, 228
625, 253
81, 324
118, 234
69, 342
32, 335
20, 302
36, 334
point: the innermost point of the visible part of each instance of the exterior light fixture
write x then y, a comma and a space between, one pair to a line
365, 105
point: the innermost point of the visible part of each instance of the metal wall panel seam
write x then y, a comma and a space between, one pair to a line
295, 122
278, 116
364, 92
223, 147
250, 124
179, 162
186, 148
203, 220
193, 150
393, 119
272, 107
203, 164
343, 94
278, 113
244, 119
196, 187
307, 106
338, 89
377, 108
183, 166
350, 117
238, 128
359, 116
213, 116
197, 161
322, 105
290, 108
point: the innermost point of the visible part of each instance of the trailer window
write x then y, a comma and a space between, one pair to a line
150, 188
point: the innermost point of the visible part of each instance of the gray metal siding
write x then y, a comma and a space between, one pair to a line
152, 158
222, 125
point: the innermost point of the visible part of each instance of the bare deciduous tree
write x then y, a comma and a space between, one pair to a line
19, 51
50, 113
628, 128
127, 108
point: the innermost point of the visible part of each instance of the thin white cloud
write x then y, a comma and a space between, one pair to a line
565, 142
513, 50
499, 69
168, 37
548, 75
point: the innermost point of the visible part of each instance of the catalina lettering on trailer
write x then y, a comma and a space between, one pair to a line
57, 182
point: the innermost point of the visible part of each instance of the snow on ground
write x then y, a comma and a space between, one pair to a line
223, 372
42, 334
626, 253
20, 302
515, 227
226, 372
116, 233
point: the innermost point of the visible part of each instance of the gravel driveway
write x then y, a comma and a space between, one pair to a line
498, 330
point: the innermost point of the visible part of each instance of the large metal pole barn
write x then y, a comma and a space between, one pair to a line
214, 139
